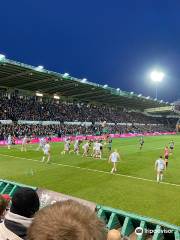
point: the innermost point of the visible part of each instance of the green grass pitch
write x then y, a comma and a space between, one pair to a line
133, 189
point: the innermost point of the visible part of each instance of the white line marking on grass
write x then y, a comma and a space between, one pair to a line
92, 170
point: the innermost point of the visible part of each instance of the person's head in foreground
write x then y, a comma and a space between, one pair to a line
67, 220
114, 235
25, 202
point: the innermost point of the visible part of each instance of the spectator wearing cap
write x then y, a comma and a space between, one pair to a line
25, 203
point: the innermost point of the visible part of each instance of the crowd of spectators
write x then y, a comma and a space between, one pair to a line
35, 109
19, 131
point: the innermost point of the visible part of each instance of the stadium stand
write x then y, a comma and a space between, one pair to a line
65, 116
15, 75
71, 130
34, 94
125, 222
30, 108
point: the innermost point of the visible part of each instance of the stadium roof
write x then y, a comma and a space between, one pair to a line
26, 77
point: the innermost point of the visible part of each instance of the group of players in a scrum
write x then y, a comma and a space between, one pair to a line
161, 164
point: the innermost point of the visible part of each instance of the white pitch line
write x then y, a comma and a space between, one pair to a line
93, 170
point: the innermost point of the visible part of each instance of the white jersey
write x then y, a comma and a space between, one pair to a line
67, 145
98, 146
76, 144
46, 148
24, 141
114, 157
160, 164
42, 142
9, 140
94, 145
85, 146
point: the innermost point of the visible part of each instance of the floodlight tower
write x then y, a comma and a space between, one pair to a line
157, 77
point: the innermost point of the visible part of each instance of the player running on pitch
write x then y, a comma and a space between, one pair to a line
166, 155
42, 142
76, 146
113, 158
98, 150
141, 143
171, 146
66, 146
85, 148
47, 152
109, 140
160, 166
24, 144
9, 141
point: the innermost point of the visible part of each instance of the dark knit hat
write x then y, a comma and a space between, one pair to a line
25, 202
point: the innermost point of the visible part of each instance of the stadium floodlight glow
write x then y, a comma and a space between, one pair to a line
148, 97
56, 97
84, 80
2, 57
66, 74
139, 95
38, 94
105, 86
118, 89
131, 92
39, 68
167, 102
155, 99
161, 101
157, 77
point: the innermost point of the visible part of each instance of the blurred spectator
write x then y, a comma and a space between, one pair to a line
25, 203
114, 235
3, 206
8, 200
67, 220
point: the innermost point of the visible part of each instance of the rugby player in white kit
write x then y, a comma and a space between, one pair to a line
42, 142
76, 146
24, 144
113, 158
9, 141
97, 152
85, 147
160, 166
47, 152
